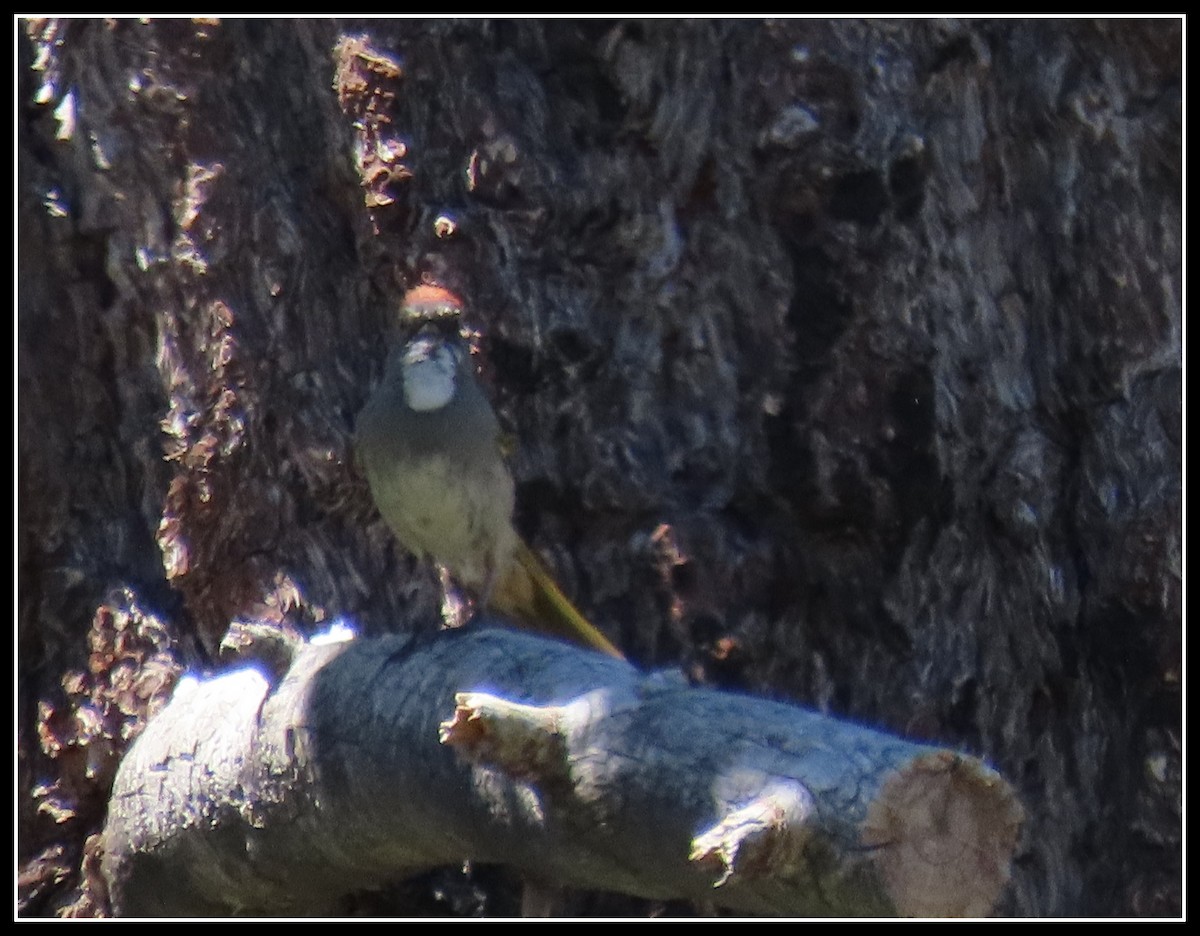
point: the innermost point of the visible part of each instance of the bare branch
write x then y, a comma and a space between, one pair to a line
376, 759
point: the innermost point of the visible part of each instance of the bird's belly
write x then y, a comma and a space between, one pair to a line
459, 516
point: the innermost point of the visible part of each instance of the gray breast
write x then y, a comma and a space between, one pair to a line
437, 476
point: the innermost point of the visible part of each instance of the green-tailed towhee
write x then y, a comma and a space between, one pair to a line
429, 442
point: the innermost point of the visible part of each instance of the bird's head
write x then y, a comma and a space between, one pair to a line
433, 354
427, 305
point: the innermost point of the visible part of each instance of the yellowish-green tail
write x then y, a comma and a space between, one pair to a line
528, 594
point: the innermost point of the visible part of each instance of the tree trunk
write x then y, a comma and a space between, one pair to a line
844, 359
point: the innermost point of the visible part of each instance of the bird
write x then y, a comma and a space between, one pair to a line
430, 445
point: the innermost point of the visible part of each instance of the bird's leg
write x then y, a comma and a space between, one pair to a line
457, 607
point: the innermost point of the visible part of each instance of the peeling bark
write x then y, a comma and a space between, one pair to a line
843, 360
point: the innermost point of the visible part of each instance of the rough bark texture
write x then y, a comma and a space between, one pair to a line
844, 359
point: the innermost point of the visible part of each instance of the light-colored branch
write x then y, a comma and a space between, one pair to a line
375, 759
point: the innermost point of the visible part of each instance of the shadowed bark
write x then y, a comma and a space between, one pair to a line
844, 360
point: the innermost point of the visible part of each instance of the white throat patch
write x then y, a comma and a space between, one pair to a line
430, 370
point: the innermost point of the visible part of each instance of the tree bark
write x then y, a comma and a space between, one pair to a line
844, 359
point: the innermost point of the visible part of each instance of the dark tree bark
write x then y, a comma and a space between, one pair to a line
845, 360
